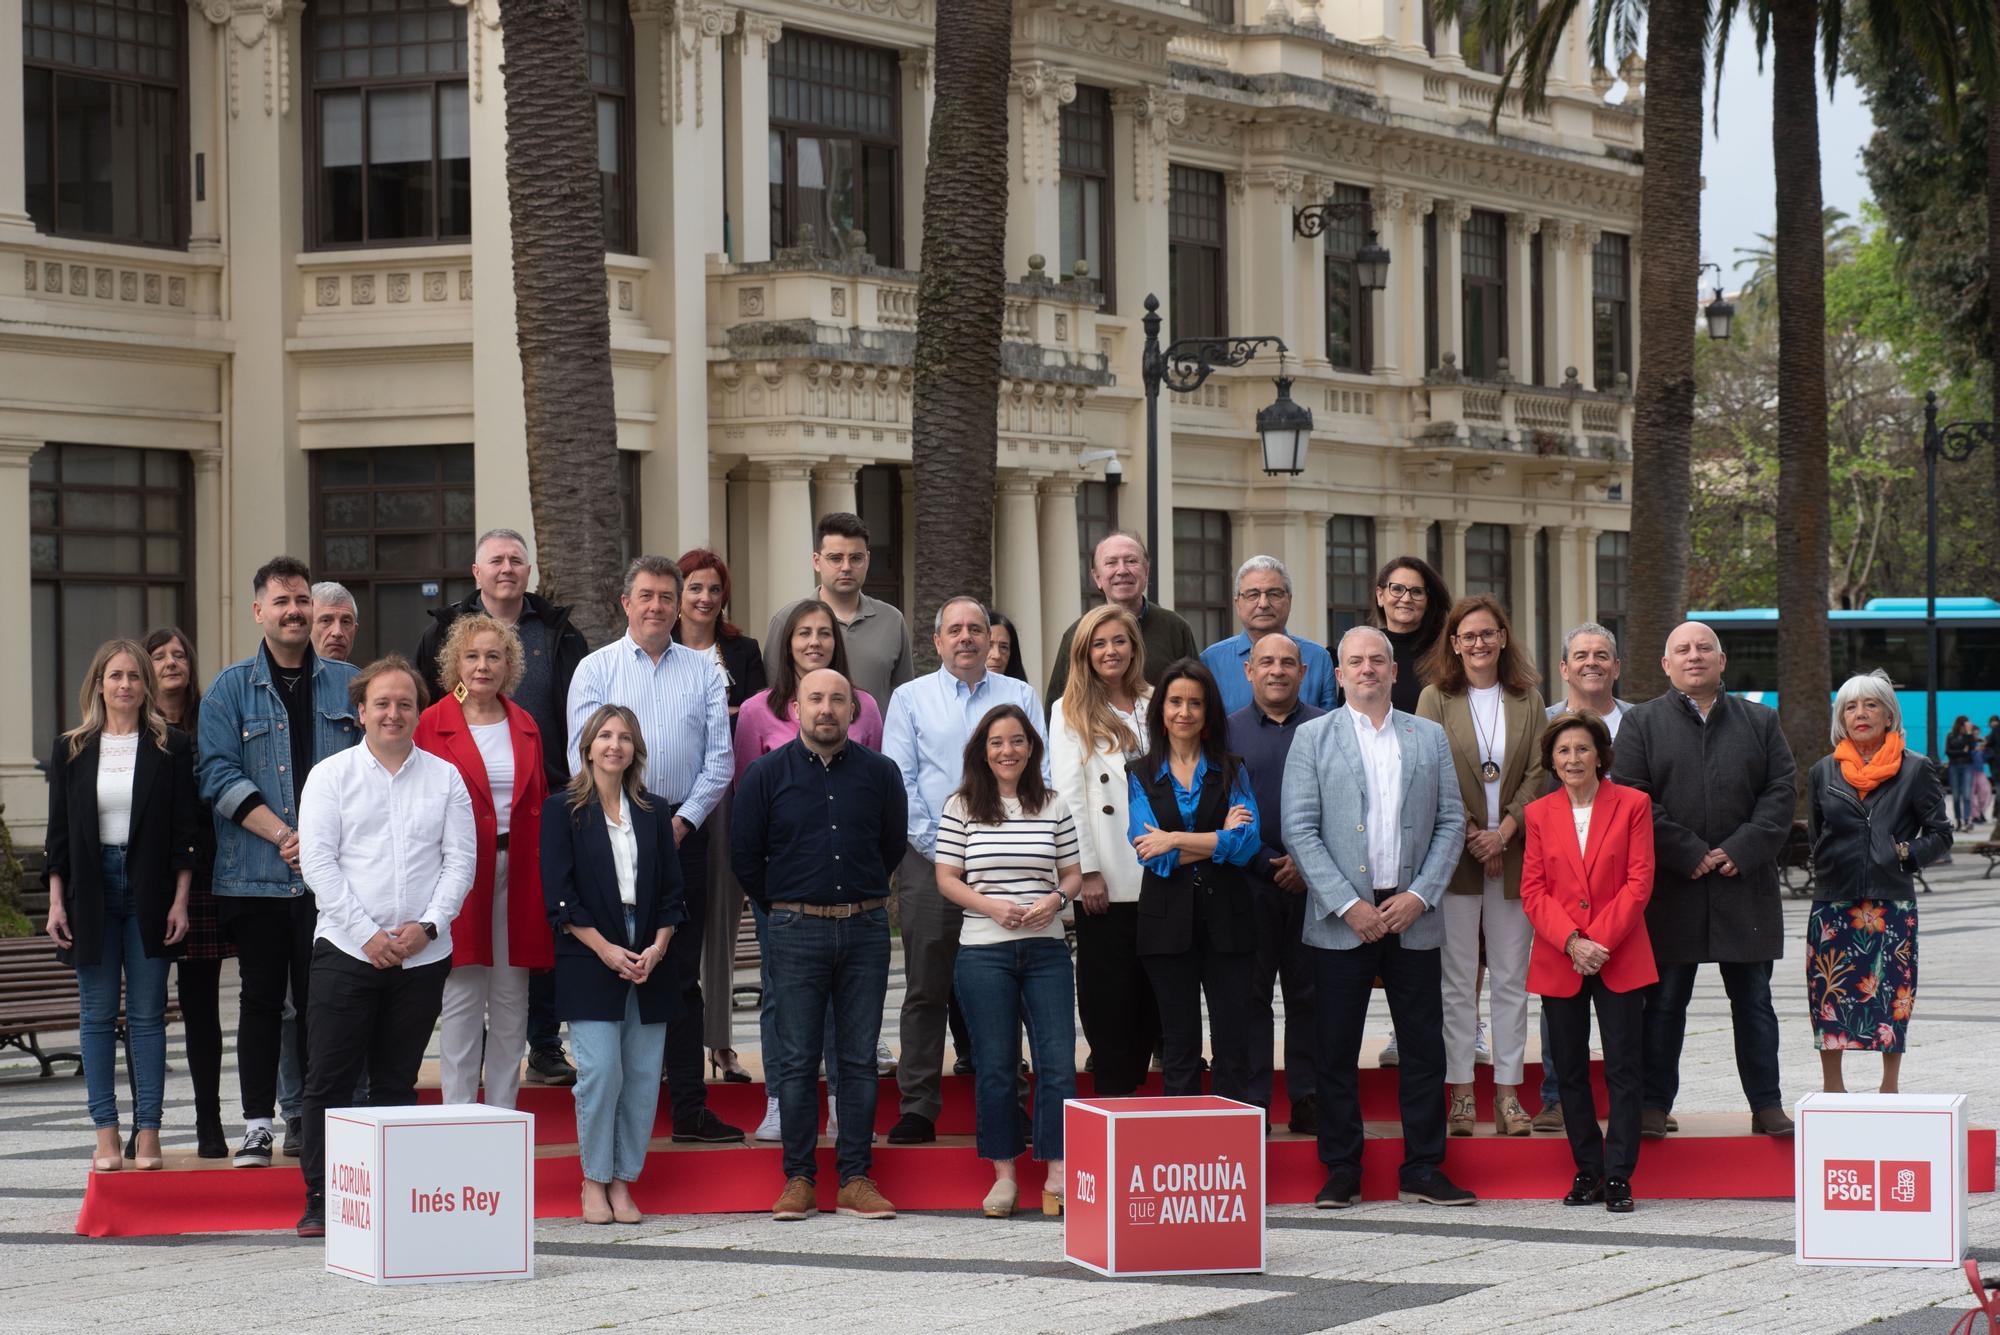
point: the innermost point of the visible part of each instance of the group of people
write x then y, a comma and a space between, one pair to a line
1403, 811
1972, 762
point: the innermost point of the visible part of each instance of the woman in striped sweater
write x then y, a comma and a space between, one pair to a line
1007, 855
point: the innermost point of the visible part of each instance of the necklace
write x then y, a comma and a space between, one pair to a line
1488, 771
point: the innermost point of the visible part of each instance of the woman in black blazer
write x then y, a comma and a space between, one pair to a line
612, 882
121, 858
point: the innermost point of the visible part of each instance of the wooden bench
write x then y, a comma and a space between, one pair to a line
1990, 850
38, 993
1795, 860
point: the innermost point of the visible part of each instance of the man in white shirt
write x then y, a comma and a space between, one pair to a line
386, 841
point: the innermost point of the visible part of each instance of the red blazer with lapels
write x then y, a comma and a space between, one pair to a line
1600, 890
443, 731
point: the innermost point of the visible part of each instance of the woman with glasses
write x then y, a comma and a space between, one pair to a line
1482, 690
1410, 605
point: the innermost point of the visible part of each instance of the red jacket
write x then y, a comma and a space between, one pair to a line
443, 731
1600, 891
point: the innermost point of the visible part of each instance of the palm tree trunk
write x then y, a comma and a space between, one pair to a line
1663, 407
1803, 519
1992, 100
960, 299
562, 321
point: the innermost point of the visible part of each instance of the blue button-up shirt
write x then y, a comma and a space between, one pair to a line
683, 708
817, 831
925, 732
1235, 847
1226, 659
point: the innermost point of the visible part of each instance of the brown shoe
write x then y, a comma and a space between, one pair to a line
1509, 1117
1550, 1118
860, 1197
1672, 1124
1770, 1122
1653, 1123
1460, 1117
800, 1201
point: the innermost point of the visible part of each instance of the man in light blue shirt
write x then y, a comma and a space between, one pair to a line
1264, 606
683, 708
928, 724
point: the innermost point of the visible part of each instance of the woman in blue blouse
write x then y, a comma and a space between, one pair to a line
1193, 823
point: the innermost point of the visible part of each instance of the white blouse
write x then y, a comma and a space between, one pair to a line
117, 761
1581, 815
624, 852
496, 748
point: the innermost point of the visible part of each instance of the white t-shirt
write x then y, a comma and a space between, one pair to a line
117, 760
624, 852
1017, 860
1489, 727
496, 748
1581, 815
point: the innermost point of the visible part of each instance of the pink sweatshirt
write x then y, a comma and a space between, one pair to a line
759, 733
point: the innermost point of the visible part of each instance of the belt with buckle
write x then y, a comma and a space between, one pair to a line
500, 842
828, 910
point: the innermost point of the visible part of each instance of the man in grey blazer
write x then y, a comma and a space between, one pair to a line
1373, 820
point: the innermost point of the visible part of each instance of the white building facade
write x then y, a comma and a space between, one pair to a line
256, 297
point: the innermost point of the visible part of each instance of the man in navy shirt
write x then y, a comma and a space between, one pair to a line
1261, 732
819, 825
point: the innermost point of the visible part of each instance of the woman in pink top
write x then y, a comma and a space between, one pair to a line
765, 722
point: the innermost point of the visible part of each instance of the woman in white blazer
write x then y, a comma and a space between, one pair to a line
1100, 721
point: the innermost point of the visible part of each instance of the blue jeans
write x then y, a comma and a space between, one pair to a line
1001, 987
617, 1087
1750, 1013
831, 975
767, 1010
1551, 1085
123, 961
1960, 773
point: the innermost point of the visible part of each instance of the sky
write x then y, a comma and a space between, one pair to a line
1739, 202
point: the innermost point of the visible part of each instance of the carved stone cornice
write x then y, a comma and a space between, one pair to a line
757, 28
247, 25
1155, 112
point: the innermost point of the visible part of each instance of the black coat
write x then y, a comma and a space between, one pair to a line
1853, 838
1729, 783
1218, 892
570, 649
163, 842
742, 665
580, 889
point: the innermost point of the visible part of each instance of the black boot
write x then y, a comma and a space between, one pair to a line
208, 1139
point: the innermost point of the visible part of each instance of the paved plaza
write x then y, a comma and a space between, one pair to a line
1519, 1266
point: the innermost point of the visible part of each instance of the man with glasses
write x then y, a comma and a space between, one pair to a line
876, 636
1120, 567
1264, 606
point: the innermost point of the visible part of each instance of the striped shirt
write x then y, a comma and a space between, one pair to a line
682, 704
1018, 860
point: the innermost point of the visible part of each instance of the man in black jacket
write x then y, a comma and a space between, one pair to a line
553, 648
1723, 785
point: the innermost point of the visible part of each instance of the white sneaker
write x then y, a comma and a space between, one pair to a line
1390, 1056
1482, 1050
885, 1061
768, 1129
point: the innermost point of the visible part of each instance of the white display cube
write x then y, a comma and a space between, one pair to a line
1881, 1179
430, 1194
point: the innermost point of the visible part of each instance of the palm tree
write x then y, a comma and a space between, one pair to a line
562, 322
961, 294
1676, 34
1758, 293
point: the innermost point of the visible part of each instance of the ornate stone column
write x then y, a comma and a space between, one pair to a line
22, 788
746, 136
780, 491
1451, 215
1036, 94
1522, 229
835, 485
1062, 598
1017, 561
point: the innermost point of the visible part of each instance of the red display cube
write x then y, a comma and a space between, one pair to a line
1164, 1186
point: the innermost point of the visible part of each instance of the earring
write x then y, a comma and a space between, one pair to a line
459, 692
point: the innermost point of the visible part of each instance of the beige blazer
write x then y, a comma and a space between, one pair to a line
1521, 777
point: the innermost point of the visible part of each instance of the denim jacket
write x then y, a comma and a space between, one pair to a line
245, 752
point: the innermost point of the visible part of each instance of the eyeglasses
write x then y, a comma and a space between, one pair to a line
1263, 595
1478, 637
1416, 593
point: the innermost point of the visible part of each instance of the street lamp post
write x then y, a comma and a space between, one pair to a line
1954, 442
1719, 313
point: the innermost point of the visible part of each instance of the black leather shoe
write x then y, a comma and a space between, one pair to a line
295, 1136
312, 1224
1305, 1117
1432, 1187
548, 1066
961, 1066
913, 1129
705, 1128
1342, 1189
1617, 1195
208, 1139
1587, 1189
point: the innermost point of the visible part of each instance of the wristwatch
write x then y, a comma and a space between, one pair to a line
430, 929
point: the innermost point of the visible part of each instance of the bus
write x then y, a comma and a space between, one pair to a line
1888, 633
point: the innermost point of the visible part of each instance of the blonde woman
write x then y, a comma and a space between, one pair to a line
501, 933
1098, 724
121, 860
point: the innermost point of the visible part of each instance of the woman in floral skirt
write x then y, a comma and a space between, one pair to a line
1876, 814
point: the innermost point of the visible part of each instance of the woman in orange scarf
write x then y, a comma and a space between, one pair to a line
1875, 815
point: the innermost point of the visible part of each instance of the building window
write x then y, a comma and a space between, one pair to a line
1537, 317
1434, 544
105, 123
395, 526
1202, 574
1430, 290
1611, 309
1543, 627
1215, 11
1349, 317
1350, 573
110, 553
1614, 579
607, 36
835, 139
630, 525
1489, 562
1086, 187
1197, 232
879, 495
391, 144
1096, 517
1483, 251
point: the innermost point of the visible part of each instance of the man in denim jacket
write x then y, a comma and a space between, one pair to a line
264, 722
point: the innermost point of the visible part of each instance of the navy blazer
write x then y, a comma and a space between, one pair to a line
580, 888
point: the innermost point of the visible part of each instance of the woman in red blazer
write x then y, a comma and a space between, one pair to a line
502, 932
1586, 874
